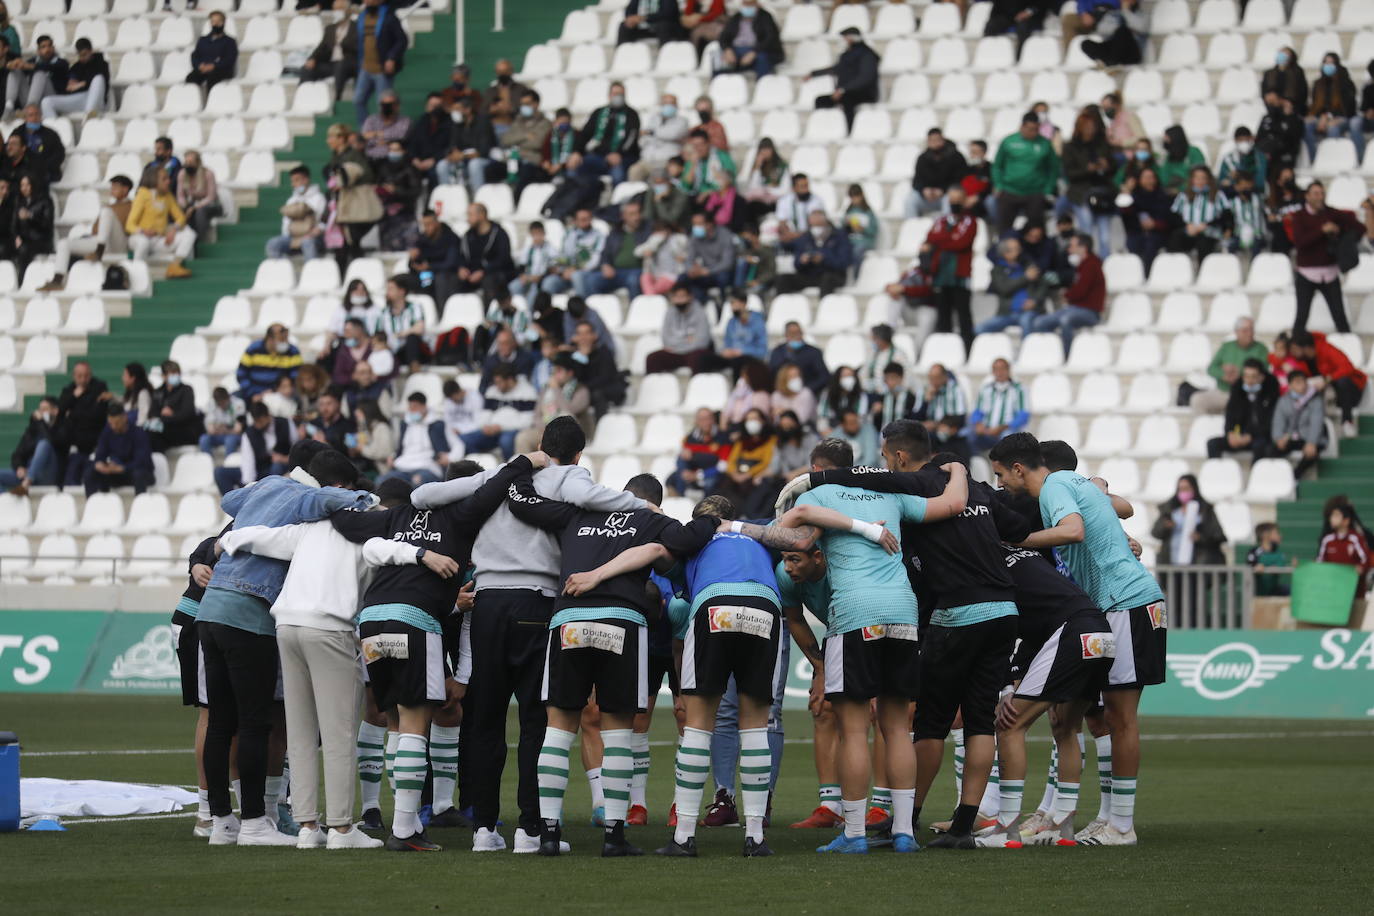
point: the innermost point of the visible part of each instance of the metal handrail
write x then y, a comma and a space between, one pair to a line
1212, 597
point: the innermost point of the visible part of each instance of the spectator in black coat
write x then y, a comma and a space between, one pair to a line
1249, 414
470, 146
399, 185
761, 53
430, 138
1280, 133
85, 88
33, 223
34, 461
856, 76
1287, 80
1146, 218
216, 57
122, 456
378, 43
1364, 119
81, 409
43, 74
44, 147
330, 60
1020, 18
940, 167
174, 420
505, 351
809, 359
484, 256
597, 370
646, 19
609, 141
434, 259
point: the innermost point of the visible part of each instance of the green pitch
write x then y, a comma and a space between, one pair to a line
1253, 815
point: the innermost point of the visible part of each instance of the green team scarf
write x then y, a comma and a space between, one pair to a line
561, 146
616, 120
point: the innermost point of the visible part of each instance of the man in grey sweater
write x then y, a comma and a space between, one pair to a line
1298, 424
517, 578
711, 259
686, 334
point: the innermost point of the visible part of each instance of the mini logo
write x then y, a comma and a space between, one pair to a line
152, 658
1229, 669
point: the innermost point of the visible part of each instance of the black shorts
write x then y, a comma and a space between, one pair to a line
609, 656
405, 664
871, 662
1142, 635
191, 658
733, 635
1072, 664
661, 666
963, 668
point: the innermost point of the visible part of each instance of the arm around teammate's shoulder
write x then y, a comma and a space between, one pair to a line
954, 499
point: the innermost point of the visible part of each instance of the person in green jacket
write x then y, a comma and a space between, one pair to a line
1225, 366
1180, 158
1025, 172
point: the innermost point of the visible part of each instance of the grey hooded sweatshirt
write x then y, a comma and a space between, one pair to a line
509, 553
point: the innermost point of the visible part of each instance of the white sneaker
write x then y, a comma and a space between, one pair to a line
1349, 430
1035, 824
311, 838
1003, 839
527, 843
1110, 836
224, 831
484, 840
353, 839
1060, 834
260, 831
1090, 830
203, 828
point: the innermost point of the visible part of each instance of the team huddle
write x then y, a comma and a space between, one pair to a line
378, 628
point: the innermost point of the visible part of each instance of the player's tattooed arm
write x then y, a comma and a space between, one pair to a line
807, 520
787, 534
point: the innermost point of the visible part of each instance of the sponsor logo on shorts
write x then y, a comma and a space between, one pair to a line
1097, 645
1229, 669
747, 620
877, 631
905, 631
1159, 616
587, 635
386, 645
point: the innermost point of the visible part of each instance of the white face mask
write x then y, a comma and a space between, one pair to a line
753, 427
794, 384
848, 382
1075, 259
456, 116
818, 232
357, 299
284, 347
413, 416
1244, 147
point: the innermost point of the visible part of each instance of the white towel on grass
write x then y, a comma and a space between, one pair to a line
98, 798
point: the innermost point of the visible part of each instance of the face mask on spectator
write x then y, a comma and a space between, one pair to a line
414, 416
660, 188
617, 101
698, 232
357, 299
283, 347
1185, 496
526, 111
1281, 58
818, 232
1328, 69
1252, 389
753, 427
173, 380
1142, 155
216, 30
796, 344
975, 160
848, 382
456, 116
1075, 259
395, 155
387, 108
794, 384
748, 12
705, 114
1244, 147
350, 341
668, 111
1200, 187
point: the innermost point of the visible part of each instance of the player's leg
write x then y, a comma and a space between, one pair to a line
852, 720
1122, 721
412, 754
1067, 732
372, 756
705, 673
755, 766
528, 645
444, 748
1011, 750
899, 756
415, 683
303, 732
639, 812
879, 814
488, 702
593, 753
1095, 720
725, 747
622, 689
825, 747
554, 759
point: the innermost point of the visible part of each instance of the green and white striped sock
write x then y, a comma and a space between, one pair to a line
553, 772
617, 771
755, 772
991, 803
1065, 801
412, 760
882, 798
1047, 800
371, 762
1123, 803
639, 745
1104, 776
443, 758
391, 739
1009, 793
830, 796
692, 765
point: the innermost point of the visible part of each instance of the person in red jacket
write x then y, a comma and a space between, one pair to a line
950, 244
1314, 229
1084, 299
1332, 368
1343, 542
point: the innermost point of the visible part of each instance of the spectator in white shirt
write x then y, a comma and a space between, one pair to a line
422, 454
660, 139
508, 407
794, 209
302, 219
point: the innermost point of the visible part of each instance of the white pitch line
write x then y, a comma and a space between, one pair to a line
131, 817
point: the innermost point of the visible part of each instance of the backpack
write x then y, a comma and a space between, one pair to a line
116, 278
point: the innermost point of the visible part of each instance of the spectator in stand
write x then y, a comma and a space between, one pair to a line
164, 159
1244, 157
707, 168
266, 361
744, 468
940, 404
350, 177
1226, 365
940, 167
660, 139
434, 259
791, 396
1285, 198
1138, 160
1019, 18
1282, 361
504, 313
378, 43
1180, 159
43, 146
505, 351
216, 55
312, 382
756, 264
34, 79
526, 141
746, 333
1299, 423
977, 182
1084, 300
535, 263
563, 396
399, 185
703, 449
822, 257
138, 393
1084, 18
175, 422
422, 450
665, 203
1020, 287
9, 60
950, 246
356, 304
460, 89
715, 131
352, 349
122, 456
484, 258
17, 162
508, 408
302, 219
1088, 167
282, 400
373, 446
330, 426
34, 461
1286, 80
330, 60
388, 124
1248, 223
81, 413
461, 409
1268, 551
765, 183
1335, 371
795, 349
894, 402
1000, 409
157, 225
198, 195
842, 393
1124, 129
597, 369
578, 312
856, 76
85, 87
881, 354
1119, 36
1317, 230
1200, 213
1281, 133
750, 41
609, 141
793, 210
1025, 172
1188, 530
579, 257
1363, 122
262, 449
710, 259
501, 101
1343, 541
7, 237
1333, 105
703, 21
686, 334
432, 143
33, 223
665, 255
1249, 414
403, 320
620, 267
651, 19
366, 386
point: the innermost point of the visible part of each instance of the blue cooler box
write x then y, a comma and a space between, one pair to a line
9, 782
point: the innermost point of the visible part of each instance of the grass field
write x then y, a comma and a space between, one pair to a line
1233, 815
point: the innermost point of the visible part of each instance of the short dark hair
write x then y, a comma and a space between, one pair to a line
1058, 455
934, 132
836, 453
502, 370
1085, 240
394, 491
1242, 175
646, 487
83, 44
1030, 117
894, 368
165, 141
429, 211
303, 451
536, 224
116, 409
417, 397
1253, 363
1296, 373
451, 387
562, 113
43, 38
908, 436
303, 170
465, 468
333, 469
124, 181
530, 94
1264, 528
358, 321
563, 439
257, 410
1018, 448
716, 505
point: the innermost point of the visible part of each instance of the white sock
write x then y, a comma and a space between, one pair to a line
236, 786
371, 763
903, 803
412, 754
1047, 800
991, 801
639, 746
854, 813
1009, 793
270, 796
755, 772
203, 805
443, 760
553, 772
693, 764
1065, 801
830, 797
594, 784
616, 772
1104, 776
391, 740
1123, 803
958, 734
